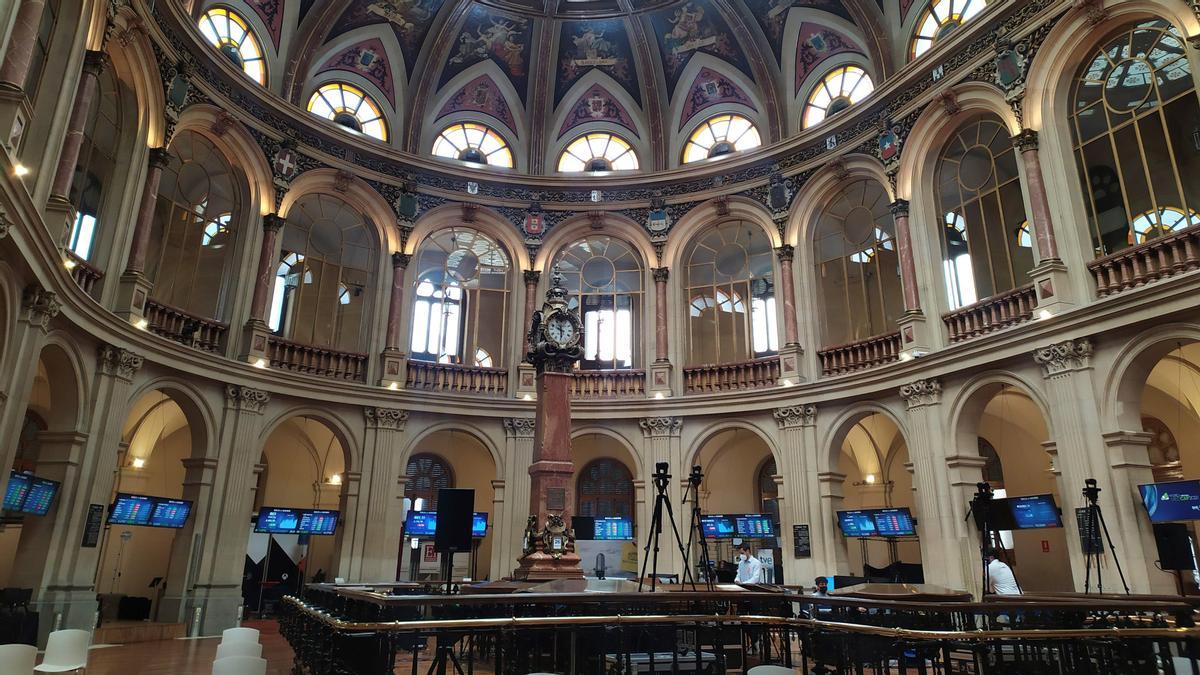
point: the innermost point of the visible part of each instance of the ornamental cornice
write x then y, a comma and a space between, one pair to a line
385, 418
796, 416
119, 363
246, 399
519, 427
922, 393
1064, 357
39, 306
661, 427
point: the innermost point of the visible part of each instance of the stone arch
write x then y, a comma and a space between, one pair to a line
708, 214
1131, 369
462, 426
352, 453
831, 447
197, 413
135, 60
681, 130
617, 225
514, 133
485, 220
63, 364
633, 458
10, 301
692, 454
356, 193
821, 188
968, 406
238, 148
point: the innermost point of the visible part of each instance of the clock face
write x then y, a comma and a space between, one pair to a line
560, 330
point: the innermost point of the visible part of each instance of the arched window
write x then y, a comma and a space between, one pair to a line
192, 241
231, 35
605, 489
721, 135
598, 151
41, 49
979, 195
96, 164
349, 106
858, 270
426, 475
461, 304
841, 88
604, 277
471, 142
939, 20
729, 269
1133, 120
326, 271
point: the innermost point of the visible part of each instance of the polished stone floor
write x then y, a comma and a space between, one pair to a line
184, 657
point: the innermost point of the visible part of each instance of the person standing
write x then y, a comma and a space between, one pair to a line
1001, 579
750, 568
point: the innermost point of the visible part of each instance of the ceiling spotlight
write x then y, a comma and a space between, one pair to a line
335, 479
20, 170
1045, 314
138, 463
141, 324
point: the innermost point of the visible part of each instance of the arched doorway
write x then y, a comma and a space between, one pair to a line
604, 487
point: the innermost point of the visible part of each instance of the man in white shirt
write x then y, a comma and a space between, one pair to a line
1001, 579
750, 568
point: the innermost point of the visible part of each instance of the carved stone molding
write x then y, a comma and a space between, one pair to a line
5, 222
1026, 140
273, 222
401, 260
786, 253
532, 277
159, 158
900, 208
1094, 9
796, 416
922, 393
519, 427
661, 427
385, 418
661, 274
39, 305
119, 363
246, 399
1064, 357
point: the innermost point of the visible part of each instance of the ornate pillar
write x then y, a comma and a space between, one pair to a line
254, 334
381, 511
200, 473
660, 370
800, 491
526, 375
518, 454
913, 333
14, 70
94, 63
662, 444
38, 307
790, 352
831, 548
499, 526
395, 360
135, 288
1050, 274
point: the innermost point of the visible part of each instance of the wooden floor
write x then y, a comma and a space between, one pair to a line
184, 657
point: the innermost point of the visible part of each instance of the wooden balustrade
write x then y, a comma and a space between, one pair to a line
183, 327
754, 374
449, 377
313, 360
860, 355
84, 274
992, 314
597, 384
1156, 259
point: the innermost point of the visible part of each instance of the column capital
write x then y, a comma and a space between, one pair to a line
661, 274
385, 418
400, 260
39, 305
246, 399
785, 253
519, 427
273, 222
117, 362
899, 208
6, 222
1064, 357
159, 158
94, 62
661, 427
922, 393
532, 277
1027, 139
796, 416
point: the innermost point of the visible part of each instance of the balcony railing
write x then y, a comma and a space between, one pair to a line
448, 377
185, 328
84, 274
867, 353
596, 384
1156, 259
754, 374
313, 360
992, 314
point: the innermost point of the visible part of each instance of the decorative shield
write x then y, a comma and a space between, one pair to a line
535, 223
406, 205
285, 162
889, 145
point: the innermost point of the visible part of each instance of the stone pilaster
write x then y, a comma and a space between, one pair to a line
660, 370
661, 436
381, 512
348, 541
394, 358
518, 454
38, 307
800, 493
199, 475
832, 551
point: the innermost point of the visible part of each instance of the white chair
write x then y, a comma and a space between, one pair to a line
66, 651
17, 659
230, 635
770, 670
240, 665
239, 649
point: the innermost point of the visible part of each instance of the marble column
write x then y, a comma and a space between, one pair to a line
800, 492
14, 70
264, 278
38, 307
661, 436
908, 266
136, 264
532, 277
661, 274
94, 63
396, 303
1040, 220
382, 507
787, 292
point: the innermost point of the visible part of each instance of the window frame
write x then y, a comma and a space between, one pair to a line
364, 99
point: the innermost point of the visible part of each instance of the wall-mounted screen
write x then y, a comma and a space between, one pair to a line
857, 523
894, 522
29, 494
131, 510
479, 525
171, 513
616, 528
1168, 502
18, 488
275, 520
318, 521
717, 527
755, 526
1034, 512
420, 524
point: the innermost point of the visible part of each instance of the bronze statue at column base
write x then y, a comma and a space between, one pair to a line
549, 554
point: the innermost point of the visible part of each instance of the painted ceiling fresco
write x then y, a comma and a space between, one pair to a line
584, 46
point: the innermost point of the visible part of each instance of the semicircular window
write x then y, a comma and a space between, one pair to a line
473, 142
231, 35
599, 151
841, 88
942, 18
349, 106
721, 135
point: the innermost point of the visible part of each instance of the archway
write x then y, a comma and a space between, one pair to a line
605, 487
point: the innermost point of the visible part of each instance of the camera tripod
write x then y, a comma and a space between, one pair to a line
1093, 548
661, 503
989, 537
695, 531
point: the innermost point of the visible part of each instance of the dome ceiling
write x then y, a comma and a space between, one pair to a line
543, 71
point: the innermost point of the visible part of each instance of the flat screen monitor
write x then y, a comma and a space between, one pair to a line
18, 488
41, 495
318, 521
614, 528
1169, 502
584, 526
857, 523
894, 522
1034, 512
717, 527
420, 524
479, 525
131, 510
755, 526
275, 520
172, 513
